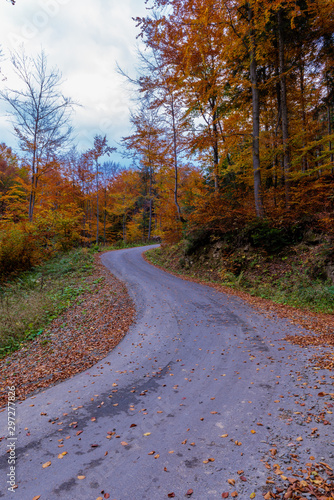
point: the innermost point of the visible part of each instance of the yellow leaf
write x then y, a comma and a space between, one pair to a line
299, 438
253, 432
157, 455
231, 481
81, 477
224, 435
37, 497
252, 495
124, 443
47, 464
147, 434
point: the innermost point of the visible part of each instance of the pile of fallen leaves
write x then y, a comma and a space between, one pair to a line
76, 340
317, 482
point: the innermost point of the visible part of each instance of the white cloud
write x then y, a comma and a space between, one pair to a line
84, 39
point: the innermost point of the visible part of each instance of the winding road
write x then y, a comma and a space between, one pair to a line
148, 421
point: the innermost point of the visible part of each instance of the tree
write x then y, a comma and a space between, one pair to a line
101, 148
41, 114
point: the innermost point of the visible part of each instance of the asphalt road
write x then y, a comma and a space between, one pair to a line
196, 365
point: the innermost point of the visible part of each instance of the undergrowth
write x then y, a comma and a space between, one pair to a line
282, 279
32, 300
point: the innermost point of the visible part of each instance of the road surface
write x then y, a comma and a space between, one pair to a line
148, 420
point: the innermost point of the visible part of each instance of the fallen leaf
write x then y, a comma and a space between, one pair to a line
47, 464
299, 438
224, 435
81, 477
106, 495
190, 492
171, 495
234, 494
151, 453
252, 495
253, 432
225, 494
231, 481
157, 455
124, 443
36, 498
267, 496
147, 434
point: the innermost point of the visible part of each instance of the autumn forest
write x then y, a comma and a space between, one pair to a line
232, 126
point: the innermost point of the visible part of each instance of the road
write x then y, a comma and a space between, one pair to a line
148, 420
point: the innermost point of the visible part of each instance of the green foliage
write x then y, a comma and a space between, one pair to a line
262, 234
32, 300
18, 249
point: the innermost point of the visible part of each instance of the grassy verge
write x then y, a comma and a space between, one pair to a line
284, 279
31, 301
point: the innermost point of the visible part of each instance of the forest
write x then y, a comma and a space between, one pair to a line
232, 133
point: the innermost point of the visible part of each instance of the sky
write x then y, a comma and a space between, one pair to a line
84, 39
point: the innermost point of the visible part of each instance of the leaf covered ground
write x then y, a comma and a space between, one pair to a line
74, 341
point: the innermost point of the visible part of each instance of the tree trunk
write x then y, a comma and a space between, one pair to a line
284, 109
302, 91
176, 175
150, 222
97, 203
215, 148
104, 216
256, 121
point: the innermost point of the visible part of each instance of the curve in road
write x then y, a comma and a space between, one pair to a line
172, 408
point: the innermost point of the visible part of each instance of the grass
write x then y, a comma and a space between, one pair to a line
293, 286
32, 300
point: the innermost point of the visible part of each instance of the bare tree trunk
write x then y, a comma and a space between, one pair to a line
150, 222
302, 89
284, 108
97, 203
215, 148
256, 121
151, 203
105, 216
176, 180
124, 223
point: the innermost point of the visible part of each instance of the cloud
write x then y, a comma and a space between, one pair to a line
84, 39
